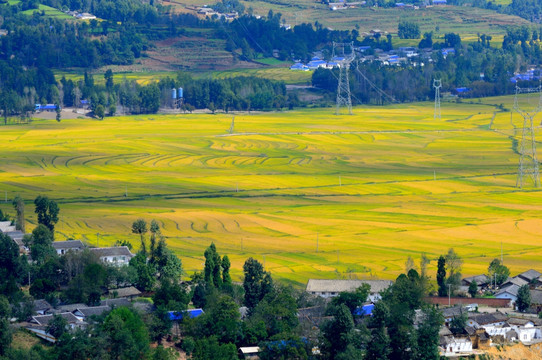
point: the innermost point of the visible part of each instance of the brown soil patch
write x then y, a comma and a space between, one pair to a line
516, 352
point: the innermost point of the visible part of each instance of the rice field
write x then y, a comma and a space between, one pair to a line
308, 193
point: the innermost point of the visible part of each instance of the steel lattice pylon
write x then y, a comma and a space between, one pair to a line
437, 84
528, 162
344, 97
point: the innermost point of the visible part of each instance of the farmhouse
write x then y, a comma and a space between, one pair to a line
331, 288
482, 281
62, 247
126, 292
509, 292
118, 256
531, 276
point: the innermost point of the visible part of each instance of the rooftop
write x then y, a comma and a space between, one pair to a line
112, 251
530, 274
318, 285
511, 289
92, 311
125, 292
70, 244
45, 319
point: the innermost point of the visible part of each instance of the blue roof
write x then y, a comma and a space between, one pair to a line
297, 66
84, 102
462, 90
192, 313
315, 58
361, 48
365, 310
399, 4
439, 1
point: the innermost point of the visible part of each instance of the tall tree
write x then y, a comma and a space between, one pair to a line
40, 243
441, 276
140, 227
473, 289
523, 301
5, 331
498, 272
339, 333
226, 278
47, 211
257, 282
213, 267
453, 268
18, 204
428, 334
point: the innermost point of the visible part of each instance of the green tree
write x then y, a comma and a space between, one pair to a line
441, 276
5, 331
408, 30
41, 244
498, 272
210, 348
99, 111
140, 227
145, 272
108, 76
473, 289
226, 278
47, 211
278, 311
213, 267
428, 334
18, 204
257, 282
171, 295
352, 299
523, 301
126, 334
338, 333
453, 268
458, 323
57, 327
58, 112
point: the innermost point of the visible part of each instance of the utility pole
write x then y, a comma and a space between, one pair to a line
528, 162
344, 96
449, 295
437, 84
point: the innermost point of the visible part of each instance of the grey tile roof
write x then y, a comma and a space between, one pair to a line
112, 251
484, 319
453, 311
68, 245
530, 275
480, 279
518, 321
511, 289
514, 281
41, 304
536, 297
45, 319
93, 310
126, 291
318, 285
69, 307
115, 302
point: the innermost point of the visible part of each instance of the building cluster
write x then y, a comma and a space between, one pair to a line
79, 316
317, 62
207, 11
343, 4
118, 255
480, 330
80, 16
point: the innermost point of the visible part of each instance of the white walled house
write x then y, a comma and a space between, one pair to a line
119, 255
62, 247
332, 288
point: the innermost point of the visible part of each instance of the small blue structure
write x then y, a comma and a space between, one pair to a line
174, 93
299, 66
447, 51
180, 93
365, 310
178, 316
47, 107
462, 90
439, 2
315, 64
400, 5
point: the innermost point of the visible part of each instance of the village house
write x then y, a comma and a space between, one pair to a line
62, 247
119, 256
509, 292
482, 281
331, 288
530, 276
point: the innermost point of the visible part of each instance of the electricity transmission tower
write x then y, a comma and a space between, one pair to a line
528, 162
437, 84
344, 97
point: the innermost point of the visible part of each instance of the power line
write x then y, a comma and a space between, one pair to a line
528, 162
344, 95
